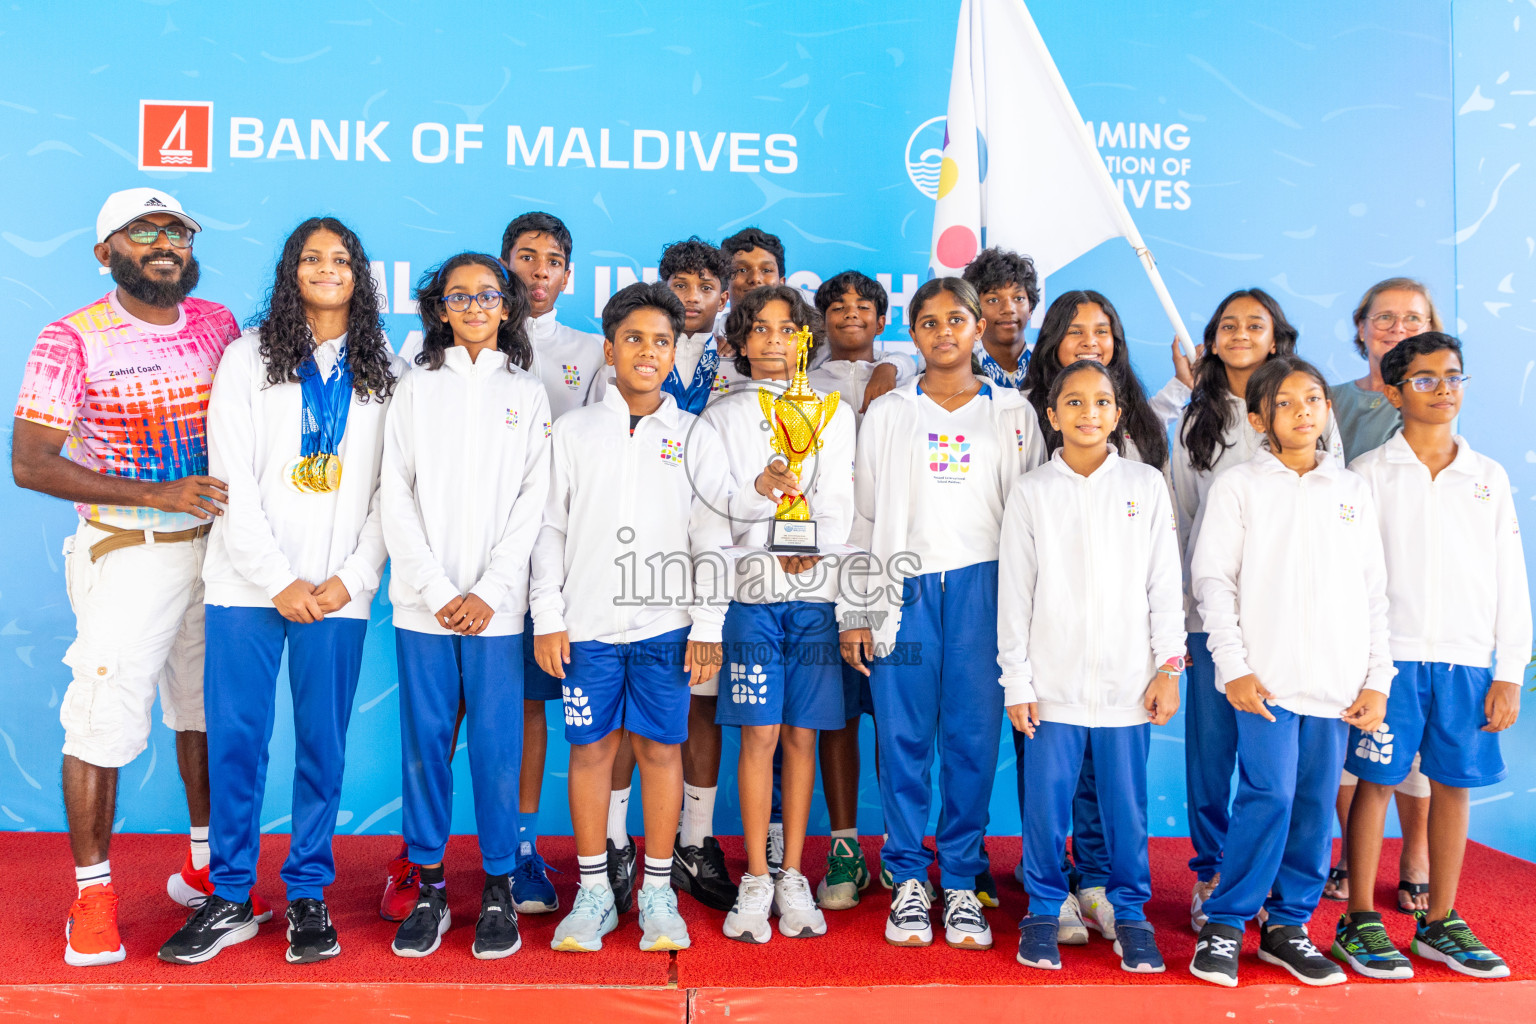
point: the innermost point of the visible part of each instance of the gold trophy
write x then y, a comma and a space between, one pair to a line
796, 419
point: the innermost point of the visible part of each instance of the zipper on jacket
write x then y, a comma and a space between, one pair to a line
467, 498
1085, 506
1432, 585
626, 511
1306, 514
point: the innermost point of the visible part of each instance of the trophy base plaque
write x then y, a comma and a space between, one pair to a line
792, 537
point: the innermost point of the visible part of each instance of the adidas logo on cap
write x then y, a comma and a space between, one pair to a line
154, 201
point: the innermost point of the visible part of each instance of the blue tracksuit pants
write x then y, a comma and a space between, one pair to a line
1210, 757
940, 686
245, 648
1281, 836
1053, 766
435, 671
1089, 864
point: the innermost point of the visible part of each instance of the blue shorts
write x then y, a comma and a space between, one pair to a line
641, 686
780, 666
857, 700
537, 684
1435, 710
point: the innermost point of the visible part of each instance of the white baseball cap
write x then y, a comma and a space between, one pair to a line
125, 207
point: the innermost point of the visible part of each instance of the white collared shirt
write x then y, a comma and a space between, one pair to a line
1456, 579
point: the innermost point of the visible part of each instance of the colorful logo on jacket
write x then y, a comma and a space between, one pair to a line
671, 452
1018, 433
1375, 746
572, 375
1482, 492
721, 385
949, 456
1346, 512
549, 428
1131, 509
511, 418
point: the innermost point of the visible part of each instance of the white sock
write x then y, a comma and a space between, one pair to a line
618, 818
199, 838
95, 874
658, 873
698, 814
850, 834
594, 871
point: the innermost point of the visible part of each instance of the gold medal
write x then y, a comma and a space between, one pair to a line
293, 473
331, 472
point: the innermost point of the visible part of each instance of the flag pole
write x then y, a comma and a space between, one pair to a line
1107, 186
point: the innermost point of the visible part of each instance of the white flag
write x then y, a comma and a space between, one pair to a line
1020, 168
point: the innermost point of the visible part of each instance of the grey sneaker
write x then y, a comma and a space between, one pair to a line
775, 849
748, 919
661, 927
1071, 931
592, 916
799, 917
1098, 913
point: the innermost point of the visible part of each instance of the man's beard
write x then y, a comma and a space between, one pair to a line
131, 278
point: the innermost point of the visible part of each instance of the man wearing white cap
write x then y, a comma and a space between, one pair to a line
112, 416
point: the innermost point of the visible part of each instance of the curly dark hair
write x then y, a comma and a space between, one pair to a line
994, 268
694, 256
1210, 415
286, 341
437, 335
748, 239
1138, 420
739, 322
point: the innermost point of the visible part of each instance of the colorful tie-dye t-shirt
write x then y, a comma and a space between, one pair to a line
133, 396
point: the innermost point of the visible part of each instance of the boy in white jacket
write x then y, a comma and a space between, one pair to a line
1091, 644
1460, 618
1291, 583
466, 472
627, 599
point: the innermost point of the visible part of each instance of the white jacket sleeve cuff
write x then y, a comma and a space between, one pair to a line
280, 584
1509, 667
438, 594
350, 579
1018, 691
1229, 667
706, 629
1380, 680
490, 592
548, 620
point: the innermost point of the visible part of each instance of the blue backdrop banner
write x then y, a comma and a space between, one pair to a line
1308, 148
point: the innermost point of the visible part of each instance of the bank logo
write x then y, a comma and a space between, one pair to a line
925, 155
175, 136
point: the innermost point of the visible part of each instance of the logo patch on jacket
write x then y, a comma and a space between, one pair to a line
721, 385
549, 428
572, 375
1346, 512
1482, 492
671, 452
1018, 434
511, 418
948, 456
1131, 510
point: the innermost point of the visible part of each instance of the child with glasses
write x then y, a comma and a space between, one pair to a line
1456, 588
466, 471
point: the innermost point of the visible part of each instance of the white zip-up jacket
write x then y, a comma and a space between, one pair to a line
634, 526
466, 474
569, 362
1292, 584
827, 478
885, 475
1089, 595
1190, 485
272, 534
1456, 579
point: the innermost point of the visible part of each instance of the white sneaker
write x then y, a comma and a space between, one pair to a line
1203, 891
775, 849
661, 926
1070, 930
908, 924
799, 917
592, 916
965, 926
1098, 912
748, 919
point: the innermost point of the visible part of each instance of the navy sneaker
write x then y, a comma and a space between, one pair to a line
1037, 943
1361, 941
1452, 943
1136, 946
532, 892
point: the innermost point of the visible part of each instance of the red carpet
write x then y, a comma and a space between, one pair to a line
38, 887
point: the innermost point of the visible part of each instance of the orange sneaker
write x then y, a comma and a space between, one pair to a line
90, 934
402, 889
191, 886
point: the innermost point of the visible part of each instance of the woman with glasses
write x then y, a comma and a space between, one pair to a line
466, 470
1390, 311
296, 427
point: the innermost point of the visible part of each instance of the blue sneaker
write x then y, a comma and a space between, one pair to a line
592, 916
1137, 948
661, 926
1037, 943
532, 892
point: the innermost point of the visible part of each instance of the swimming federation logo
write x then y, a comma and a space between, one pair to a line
175, 136
948, 456
925, 154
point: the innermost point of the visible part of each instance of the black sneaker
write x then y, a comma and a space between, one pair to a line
1452, 943
1216, 954
700, 872
1290, 947
496, 933
1361, 941
621, 876
422, 932
214, 924
311, 936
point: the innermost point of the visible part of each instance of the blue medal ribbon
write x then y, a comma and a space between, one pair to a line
695, 396
326, 404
